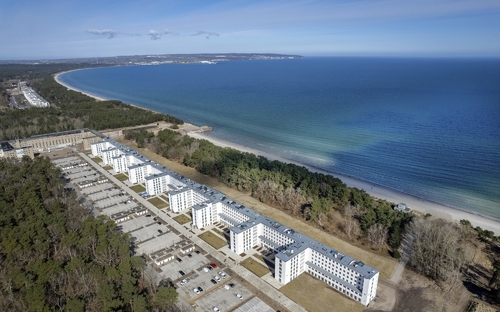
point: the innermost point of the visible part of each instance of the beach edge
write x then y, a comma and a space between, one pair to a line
419, 204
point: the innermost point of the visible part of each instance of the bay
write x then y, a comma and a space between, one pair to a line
426, 127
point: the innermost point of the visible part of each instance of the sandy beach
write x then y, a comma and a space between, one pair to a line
56, 77
418, 204
415, 203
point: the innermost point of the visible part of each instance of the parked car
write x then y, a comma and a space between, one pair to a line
148, 215
217, 278
216, 309
197, 252
222, 274
183, 282
200, 289
182, 273
227, 287
160, 231
190, 255
210, 268
179, 259
213, 265
213, 281
239, 296
231, 284
205, 269
196, 291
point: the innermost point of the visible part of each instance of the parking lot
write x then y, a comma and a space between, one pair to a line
188, 265
152, 234
101, 194
224, 299
96, 188
135, 223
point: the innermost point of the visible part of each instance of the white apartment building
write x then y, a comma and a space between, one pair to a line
295, 252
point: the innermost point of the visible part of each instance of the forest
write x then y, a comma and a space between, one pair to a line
55, 256
43, 231
316, 197
441, 250
70, 109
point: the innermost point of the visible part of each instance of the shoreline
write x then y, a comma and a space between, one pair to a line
56, 78
378, 191
97, 98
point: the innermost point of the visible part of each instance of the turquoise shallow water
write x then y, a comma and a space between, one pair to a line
427, 127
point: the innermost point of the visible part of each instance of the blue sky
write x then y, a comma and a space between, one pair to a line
65, 29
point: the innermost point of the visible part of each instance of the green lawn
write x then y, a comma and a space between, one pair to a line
108, 167
138, 188
255, 267
164, 197
158, 203
97, 159
182, 219
121, 177
213, 240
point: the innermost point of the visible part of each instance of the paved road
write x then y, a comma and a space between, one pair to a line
241, 271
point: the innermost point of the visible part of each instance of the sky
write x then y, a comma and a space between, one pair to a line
52, 29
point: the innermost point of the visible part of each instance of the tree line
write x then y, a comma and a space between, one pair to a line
70, 109
55, 256
316, 197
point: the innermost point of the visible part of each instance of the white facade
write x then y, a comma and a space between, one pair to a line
184, 198
295, 252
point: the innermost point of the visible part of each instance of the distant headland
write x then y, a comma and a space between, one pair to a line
156, 59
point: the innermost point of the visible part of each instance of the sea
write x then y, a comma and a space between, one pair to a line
429, 127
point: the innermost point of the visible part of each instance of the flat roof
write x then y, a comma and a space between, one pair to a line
300, 241
6, 146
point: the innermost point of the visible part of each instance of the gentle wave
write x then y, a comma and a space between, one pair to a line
428, 128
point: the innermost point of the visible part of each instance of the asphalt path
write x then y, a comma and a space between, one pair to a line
243, 272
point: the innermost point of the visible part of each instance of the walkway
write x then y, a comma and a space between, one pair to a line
241, 271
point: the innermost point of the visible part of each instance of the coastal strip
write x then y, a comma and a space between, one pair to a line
56, 77
98, 98
415, 203
419, 204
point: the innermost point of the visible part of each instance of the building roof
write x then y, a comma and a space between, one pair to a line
56, 134
6, 146
300, 241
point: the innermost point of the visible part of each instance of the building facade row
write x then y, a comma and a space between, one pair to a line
295, 253
45, 142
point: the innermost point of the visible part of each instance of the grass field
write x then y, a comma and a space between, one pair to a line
138, 188
158, 203
213, 240
218, 232
259, 257
165, 198
305, 287
97, 159
121, 177
108, 167
182, 219
255, 267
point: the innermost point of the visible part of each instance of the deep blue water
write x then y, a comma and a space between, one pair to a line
427, 127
